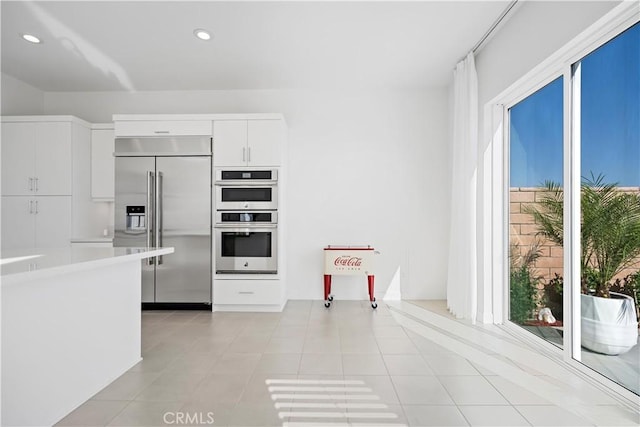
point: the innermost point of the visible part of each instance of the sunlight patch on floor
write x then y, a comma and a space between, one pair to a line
306, 403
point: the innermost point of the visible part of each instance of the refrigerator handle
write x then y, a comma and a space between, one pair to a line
159, 212
150, 212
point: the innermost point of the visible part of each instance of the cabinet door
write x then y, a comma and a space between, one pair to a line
230, 143
53, 158
102, 164
18, 158
163, 127
53, 221
18, 222
265, 141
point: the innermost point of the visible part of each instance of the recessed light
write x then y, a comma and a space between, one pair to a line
31, 38
202, 34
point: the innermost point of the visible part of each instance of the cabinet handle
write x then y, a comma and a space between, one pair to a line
36, 206
244, 154
36, 179
30, 206
246, 292
249, 155
161, 131
30, 184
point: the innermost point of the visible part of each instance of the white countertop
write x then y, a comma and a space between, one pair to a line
22, 265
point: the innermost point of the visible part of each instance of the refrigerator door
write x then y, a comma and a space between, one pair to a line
184, 222
134, 200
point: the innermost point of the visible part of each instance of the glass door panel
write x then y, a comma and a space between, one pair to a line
536, 212
608, 83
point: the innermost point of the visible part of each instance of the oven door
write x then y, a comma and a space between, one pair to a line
230, 197
246, 249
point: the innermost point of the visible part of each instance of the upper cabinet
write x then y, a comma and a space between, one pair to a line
36, 158
124, 128
248, 142
45, 180
102, 162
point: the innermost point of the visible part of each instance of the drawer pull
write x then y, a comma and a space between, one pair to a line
246, 292
161, 131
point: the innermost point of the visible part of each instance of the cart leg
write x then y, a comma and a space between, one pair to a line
327, 286
374, 304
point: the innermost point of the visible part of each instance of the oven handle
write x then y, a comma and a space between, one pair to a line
270, 183
244, 226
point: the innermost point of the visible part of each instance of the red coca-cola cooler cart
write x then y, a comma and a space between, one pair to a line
348, 261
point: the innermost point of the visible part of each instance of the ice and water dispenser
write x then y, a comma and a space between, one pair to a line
136, 220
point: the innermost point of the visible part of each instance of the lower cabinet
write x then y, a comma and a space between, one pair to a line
36, 222
247, 292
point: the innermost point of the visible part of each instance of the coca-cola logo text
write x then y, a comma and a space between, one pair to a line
347, 261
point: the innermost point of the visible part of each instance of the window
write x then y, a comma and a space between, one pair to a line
535, 170
608, 83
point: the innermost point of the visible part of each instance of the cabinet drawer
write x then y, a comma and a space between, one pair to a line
247, 292
163, 128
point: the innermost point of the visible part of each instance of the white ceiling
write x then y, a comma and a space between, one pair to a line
149, 45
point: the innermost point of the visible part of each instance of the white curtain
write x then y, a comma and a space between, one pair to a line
462, 293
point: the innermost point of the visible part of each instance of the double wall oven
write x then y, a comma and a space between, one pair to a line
246, 221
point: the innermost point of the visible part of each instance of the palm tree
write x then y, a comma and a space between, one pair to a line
610, 232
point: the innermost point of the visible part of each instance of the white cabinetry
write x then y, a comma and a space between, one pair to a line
36, 222
36, 158
102, 162
247, 292
45, 165
161, 127
247, 142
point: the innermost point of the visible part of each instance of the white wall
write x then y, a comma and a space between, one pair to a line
364, 168
534, 32
19, 98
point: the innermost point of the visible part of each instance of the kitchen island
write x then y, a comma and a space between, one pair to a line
71, 324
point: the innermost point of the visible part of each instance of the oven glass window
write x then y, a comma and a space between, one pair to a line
244, 194
246, 244
245, 217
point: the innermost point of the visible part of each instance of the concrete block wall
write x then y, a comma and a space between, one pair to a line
523, 232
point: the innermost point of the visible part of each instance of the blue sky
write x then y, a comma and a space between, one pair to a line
610, 123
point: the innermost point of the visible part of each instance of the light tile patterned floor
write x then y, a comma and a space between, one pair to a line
347, 365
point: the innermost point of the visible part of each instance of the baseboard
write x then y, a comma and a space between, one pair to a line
176, 306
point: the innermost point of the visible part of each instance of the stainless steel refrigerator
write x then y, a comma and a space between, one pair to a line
163, 198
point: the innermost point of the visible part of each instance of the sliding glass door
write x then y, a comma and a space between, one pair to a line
574, 220
607, 84
535, 185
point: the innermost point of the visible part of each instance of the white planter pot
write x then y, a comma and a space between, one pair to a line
609, 325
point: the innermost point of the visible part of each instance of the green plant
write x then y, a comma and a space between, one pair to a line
610, 232
629, 285
523, 282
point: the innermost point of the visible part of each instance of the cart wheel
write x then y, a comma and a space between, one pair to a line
330, 298
374, 305
327, 304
